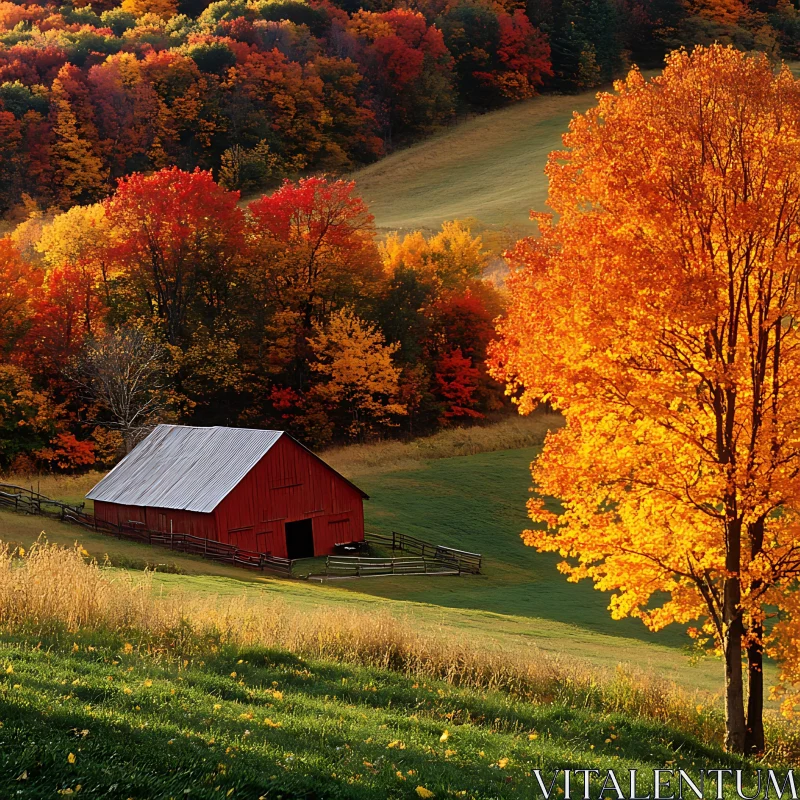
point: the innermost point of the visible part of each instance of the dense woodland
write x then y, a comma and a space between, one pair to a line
171, 301
256, 90
135, 286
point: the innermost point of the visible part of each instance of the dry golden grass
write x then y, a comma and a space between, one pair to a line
510, 433
67, 487
52, 590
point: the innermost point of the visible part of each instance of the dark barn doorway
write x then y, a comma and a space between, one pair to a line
299, 539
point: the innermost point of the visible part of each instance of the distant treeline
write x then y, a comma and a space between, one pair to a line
259, 89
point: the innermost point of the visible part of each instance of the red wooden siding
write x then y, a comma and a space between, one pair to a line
286, 485
290, 484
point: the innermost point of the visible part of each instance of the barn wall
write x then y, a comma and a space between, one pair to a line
290, 484
159, 519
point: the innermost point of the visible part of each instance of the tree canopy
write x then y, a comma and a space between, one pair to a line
658, 311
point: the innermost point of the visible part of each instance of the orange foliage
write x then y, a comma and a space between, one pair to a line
18, 281
67, 453
659, 314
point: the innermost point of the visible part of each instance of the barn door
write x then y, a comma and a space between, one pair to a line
299, 539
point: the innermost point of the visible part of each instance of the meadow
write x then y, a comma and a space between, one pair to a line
464, 488
489, 169
108, 691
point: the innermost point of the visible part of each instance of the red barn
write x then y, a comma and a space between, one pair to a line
259, 490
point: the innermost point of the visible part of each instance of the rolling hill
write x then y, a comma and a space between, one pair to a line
89, 716
489, 168
474, 502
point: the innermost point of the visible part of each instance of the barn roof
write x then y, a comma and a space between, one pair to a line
186, 468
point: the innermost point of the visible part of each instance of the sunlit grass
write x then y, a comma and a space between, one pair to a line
107, 690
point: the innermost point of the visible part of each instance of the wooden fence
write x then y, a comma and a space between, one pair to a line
402, 542
365, 567
27, 501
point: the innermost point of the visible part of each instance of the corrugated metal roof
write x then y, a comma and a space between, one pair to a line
192, 469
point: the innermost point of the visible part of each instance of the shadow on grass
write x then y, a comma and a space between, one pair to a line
266, 723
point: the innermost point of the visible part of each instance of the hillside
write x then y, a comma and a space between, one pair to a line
476, 502
490, 168
82, 715
108, 690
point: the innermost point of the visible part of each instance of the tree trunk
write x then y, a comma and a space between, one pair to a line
732, 655
754, 737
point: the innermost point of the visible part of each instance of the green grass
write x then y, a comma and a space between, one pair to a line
473, 502
490, 168
80, 711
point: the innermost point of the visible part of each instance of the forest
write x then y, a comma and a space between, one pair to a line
258, 90
181, 244
171, 301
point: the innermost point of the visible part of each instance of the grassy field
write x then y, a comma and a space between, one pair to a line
490, 169
107, 690
474, 502
82, 715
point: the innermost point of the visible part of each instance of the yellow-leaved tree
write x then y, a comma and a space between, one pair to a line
360, 375
450, 258
659, 314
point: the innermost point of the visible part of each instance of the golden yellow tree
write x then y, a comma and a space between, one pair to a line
77, 235
360, 375
164, 9
80, 172
450, 258
659, 315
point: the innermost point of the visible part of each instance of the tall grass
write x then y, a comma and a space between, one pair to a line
54, 591
61, 487
511, 433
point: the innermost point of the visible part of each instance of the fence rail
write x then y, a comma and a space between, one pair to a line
27, 501
464, 560
364, 567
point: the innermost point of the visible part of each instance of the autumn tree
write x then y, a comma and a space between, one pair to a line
450, 259
176, 241
76, 236
26, 418
18, 280
80, 171
659, 315
360, 377
314, 244
409, 66
456, 384
66, 309
124, 373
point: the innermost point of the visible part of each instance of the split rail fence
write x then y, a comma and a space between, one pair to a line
365, 567
402, 542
